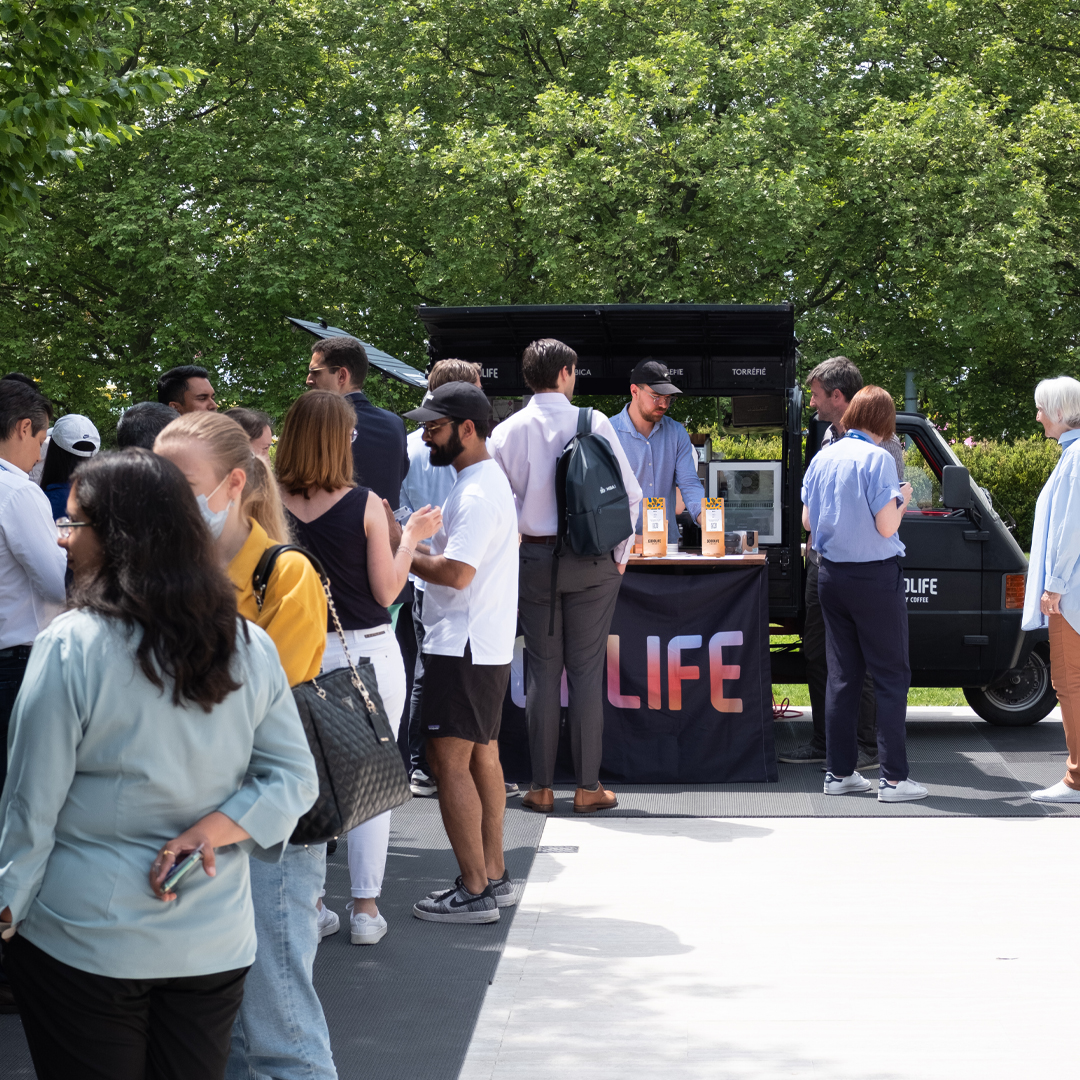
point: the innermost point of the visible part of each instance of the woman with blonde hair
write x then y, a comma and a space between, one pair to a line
1052, 594
280, 1029
345, 525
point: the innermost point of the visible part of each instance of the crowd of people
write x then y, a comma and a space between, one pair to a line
146, 684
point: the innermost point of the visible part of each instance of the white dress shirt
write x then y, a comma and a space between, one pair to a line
32, 564
528, 446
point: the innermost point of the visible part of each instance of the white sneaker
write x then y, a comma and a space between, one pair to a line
365, 929
903, 791
845, 785
328, 922
1060, 792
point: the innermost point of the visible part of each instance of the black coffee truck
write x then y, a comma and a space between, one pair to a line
963, 568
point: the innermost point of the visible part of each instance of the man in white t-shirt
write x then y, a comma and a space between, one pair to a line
470, 618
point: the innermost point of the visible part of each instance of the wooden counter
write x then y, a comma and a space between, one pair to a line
689, 558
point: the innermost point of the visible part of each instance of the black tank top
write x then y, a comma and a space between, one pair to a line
338, 540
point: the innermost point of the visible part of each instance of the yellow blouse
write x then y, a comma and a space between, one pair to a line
294, 608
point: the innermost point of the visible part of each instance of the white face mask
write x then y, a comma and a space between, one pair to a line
215, 521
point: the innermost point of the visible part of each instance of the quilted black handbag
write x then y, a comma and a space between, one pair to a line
361, 773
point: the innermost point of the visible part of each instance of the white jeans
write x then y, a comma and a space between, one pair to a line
368, 842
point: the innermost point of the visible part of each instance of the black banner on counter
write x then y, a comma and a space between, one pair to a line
688, 685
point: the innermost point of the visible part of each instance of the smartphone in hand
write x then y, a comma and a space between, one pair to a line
181, 871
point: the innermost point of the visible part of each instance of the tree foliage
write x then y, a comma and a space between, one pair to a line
64, 92
905, 173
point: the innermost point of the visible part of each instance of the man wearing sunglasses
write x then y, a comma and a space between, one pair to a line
380, 457
657, 447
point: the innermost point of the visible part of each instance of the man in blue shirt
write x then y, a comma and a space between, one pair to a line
657, 447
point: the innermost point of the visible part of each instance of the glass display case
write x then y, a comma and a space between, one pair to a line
751, 491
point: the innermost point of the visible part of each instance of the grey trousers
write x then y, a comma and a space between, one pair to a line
585, 603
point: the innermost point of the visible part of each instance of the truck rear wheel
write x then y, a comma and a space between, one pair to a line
1023, 699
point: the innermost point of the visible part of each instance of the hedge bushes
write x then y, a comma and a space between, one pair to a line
1014, 473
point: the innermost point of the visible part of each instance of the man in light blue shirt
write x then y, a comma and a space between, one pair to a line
657, 447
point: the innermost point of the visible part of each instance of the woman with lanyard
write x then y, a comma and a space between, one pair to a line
853, 504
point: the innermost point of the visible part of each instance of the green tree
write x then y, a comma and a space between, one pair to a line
64, 91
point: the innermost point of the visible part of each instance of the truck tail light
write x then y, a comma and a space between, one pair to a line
1014, 590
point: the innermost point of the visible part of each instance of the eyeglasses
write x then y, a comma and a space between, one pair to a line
64, 525
660, 399
433, 425
320, 370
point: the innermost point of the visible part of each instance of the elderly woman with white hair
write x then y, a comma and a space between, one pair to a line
1053, 581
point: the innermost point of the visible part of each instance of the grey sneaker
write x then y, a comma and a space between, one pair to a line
845, 785
867, 761
458, 905
504, 890
802, 755
421, 785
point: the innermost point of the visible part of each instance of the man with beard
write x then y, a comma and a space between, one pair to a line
470, 618
657, 447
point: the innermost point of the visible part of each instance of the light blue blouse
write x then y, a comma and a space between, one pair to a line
1054, 564
103, 770
843, 489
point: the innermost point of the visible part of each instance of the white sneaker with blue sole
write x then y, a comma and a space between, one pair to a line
846, 785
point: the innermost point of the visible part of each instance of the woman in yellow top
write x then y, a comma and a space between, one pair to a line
280, 1029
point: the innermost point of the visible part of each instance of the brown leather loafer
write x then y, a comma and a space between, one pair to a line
588, 802
542, 801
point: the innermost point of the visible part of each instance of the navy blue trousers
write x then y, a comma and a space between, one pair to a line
866, 630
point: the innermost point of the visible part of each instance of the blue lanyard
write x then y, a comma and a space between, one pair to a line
858, 435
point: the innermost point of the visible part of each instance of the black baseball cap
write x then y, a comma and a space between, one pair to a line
654, 375
457, 400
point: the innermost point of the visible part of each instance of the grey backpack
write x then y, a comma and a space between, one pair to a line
592, 504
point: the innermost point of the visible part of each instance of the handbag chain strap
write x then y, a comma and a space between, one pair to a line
356, 680
261, 579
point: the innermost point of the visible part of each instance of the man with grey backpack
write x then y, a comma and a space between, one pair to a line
570, 563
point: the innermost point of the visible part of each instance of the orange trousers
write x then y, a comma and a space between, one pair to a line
1065, 674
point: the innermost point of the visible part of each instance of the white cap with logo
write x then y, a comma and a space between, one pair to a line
77, 435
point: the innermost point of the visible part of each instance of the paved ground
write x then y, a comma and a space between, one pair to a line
668, 945
701, 949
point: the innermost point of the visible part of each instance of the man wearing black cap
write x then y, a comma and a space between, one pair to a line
470, 618
657, 447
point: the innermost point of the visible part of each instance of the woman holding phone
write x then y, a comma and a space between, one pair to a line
853, 505
152, 723
345, 526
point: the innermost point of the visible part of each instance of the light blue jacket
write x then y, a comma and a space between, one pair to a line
103, 770
1054, 565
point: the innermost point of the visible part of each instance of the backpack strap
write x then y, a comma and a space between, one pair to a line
261, 578
584, 427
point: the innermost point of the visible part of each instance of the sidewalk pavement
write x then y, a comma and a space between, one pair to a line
667, 945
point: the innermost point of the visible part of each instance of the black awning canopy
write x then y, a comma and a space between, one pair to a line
711, 349
387, 364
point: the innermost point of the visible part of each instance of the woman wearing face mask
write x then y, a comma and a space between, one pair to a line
280, 1029
152, 723
346, 527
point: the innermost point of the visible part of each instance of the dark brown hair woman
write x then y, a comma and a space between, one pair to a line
152, 725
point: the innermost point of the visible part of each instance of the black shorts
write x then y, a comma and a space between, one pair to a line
462, 700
